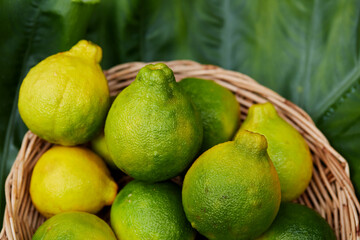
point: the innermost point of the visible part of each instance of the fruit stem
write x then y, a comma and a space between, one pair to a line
261, 111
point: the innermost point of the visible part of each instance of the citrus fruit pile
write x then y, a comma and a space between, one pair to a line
233, 181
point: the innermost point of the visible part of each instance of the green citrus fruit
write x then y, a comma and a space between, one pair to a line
297, 222
218, 108
74, 226
71, 179
287, 149
232, 191
150, 211
98, 145
65, 98
153, 131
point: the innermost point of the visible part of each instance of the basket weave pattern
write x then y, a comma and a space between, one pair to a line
330, 192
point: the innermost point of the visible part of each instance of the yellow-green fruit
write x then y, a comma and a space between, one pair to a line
74, 226
219, 110
71, 179
297, 222
65, 98
287, 149
98, 145
232, 191
151, 211
153, 131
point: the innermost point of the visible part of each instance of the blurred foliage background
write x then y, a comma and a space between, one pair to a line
306, 50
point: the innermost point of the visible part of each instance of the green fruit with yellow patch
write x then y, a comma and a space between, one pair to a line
298, 222
232, 191
150, 211
153, 131
287, 149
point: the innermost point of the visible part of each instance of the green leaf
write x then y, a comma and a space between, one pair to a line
101, 32
31, 30
151, 30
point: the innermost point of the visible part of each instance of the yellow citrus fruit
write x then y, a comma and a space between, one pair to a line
287, 149
153, 131
74, 226
65, 98
150, 211
297, 222
219, 110
71, 179
232, 191
98, 145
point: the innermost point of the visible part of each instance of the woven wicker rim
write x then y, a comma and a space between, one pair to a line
330, 192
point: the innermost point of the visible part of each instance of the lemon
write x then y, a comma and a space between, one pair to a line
287, 149
150, 211
232, 191
71, 179
297, 222
74, 226
219, 110
65, 98
153, 131
98, 145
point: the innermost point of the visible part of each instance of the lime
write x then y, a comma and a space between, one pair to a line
98, 145
287, 149
74, 226
232, 191
297, 222
153, 131
219, 110
150, 211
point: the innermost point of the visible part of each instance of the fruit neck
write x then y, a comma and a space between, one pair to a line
261, 112
251, 142
158, 79
155, 75
86, 50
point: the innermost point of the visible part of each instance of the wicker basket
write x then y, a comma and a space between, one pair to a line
330, 192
